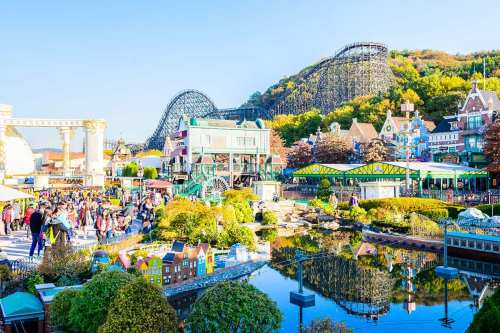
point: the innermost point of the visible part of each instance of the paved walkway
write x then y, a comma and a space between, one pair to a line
17, 246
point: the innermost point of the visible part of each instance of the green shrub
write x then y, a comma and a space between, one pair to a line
487, 209
317, 203
270, 235
453, 211
324, 189
406, 205
33, 279
357, 213
90, 308
435, 214
247, 309
140, 307
269, 218
60, 309
343, 205
150, 172
5, 273
487, 319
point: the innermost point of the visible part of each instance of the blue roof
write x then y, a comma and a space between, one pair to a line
169, 257
490, 238
21, 304
178, 246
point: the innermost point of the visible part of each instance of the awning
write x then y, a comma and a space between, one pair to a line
158, 184
8, 194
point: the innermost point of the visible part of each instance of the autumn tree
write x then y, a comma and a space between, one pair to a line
375, 151
492, 146
278, 146
299, 155
331, 148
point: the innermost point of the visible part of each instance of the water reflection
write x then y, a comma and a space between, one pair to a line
389, 290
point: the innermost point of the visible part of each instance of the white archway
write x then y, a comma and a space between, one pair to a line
94, 142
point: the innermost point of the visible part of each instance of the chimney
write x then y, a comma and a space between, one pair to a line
389, 113
490, 104
354, 120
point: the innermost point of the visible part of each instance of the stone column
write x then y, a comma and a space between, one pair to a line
5, 112
94, 152
66, 134
2, 152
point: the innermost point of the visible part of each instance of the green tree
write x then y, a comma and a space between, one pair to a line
60, 309
326, 325
487, 319
91, 306
130, 170
233, 233
150, 173
234, 307
324, 189
140, 307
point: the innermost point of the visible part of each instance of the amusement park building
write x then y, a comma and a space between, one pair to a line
231, 149
460, 137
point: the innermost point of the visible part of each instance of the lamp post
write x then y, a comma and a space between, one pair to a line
140, 174
407, 108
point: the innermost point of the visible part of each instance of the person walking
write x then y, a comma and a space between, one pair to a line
26, 220
353, 201
7, 219
36, 222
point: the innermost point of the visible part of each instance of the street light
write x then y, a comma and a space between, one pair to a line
140, 174
407, 108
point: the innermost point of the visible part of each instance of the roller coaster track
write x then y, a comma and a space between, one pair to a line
355, 70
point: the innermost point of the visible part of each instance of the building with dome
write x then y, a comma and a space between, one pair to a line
18, 155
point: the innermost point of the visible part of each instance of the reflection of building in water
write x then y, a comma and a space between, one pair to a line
481, 277
409, 273
359, 290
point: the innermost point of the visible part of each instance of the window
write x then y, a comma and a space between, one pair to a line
474, 122
487, 246
463, 243
245, 141
455, 242
495, 247
167, 269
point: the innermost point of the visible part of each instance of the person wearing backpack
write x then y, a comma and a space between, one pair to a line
36, 222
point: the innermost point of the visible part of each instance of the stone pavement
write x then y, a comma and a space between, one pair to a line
17, 246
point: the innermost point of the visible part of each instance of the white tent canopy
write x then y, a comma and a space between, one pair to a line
8, 194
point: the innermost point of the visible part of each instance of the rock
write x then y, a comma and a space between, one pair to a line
311, 217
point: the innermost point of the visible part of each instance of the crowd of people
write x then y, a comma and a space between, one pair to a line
56, 216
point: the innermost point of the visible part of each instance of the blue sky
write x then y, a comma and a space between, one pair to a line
124, 60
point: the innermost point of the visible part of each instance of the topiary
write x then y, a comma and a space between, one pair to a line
234, 307
60, 309
140, 307
91, 306
324, 189
435, 214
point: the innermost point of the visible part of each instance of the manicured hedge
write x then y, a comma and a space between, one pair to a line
487, 209
435, 214
453, 211
403, 204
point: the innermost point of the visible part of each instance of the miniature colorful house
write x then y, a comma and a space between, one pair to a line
206, 258
151, 269
180, 263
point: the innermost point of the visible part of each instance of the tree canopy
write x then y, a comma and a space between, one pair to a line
234, 307
492, 146
140, 307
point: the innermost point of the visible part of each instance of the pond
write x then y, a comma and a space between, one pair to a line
420, 318
394, 290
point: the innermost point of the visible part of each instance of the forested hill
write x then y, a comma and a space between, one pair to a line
436, 82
